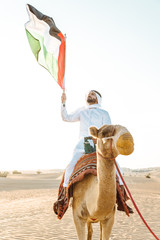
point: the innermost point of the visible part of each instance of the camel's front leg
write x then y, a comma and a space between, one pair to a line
106, 228
80, 226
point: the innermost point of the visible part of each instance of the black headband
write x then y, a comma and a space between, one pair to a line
96, 92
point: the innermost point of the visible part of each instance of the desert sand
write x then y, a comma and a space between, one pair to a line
26, 213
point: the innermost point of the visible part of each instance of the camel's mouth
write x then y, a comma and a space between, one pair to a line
125, 144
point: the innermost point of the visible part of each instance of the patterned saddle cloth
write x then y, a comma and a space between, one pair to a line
87, 164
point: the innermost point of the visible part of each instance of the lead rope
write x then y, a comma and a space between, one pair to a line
134, 201
131, 195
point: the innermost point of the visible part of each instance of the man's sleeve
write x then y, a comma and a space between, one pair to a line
73, 117
106, 118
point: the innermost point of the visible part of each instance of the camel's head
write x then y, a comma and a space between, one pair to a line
113, 140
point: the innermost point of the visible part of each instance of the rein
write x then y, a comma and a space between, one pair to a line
129, 193
134, 201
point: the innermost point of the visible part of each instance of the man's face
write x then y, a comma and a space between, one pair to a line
92, 98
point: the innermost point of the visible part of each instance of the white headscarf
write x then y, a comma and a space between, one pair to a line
99, 98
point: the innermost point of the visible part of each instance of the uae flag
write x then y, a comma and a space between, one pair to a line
47, 43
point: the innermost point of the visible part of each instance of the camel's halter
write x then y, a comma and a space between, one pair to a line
129, 193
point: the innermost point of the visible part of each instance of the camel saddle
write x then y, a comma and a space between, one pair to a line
87, 164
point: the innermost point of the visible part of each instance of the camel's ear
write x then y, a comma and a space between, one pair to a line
93, 132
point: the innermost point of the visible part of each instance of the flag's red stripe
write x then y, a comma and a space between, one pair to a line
61, 61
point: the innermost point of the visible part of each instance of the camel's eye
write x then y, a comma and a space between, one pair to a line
104, 135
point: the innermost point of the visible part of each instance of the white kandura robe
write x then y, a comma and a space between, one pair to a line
92, 115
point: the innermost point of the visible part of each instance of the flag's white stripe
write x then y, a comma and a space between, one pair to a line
41, 28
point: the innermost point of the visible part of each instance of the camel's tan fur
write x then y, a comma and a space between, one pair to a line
94, 198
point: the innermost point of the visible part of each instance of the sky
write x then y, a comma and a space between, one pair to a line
113, 47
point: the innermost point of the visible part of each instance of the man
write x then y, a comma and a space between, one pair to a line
91, 115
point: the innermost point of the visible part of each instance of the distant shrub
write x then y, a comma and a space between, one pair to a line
3, 174
16, 172
148, 175
39, 172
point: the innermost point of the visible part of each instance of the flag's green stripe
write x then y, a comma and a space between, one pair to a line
34, 44
46, 59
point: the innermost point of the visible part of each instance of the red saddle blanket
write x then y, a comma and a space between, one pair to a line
85, 165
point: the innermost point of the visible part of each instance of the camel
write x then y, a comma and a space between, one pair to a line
94, 198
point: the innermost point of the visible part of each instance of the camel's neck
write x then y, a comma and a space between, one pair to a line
106, 183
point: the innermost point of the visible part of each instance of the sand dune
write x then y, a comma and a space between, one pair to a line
26, 208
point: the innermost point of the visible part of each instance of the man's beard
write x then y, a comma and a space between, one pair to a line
91, 100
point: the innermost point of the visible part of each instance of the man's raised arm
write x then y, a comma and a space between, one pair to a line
65, 116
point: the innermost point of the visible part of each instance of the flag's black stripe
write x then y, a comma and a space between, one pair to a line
53, 29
